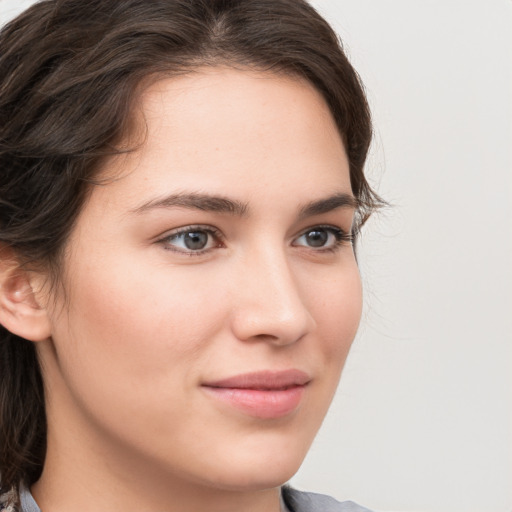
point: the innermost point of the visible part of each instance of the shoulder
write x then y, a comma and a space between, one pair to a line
299, 501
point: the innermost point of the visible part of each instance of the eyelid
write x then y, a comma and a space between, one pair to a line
342, 236
212, 231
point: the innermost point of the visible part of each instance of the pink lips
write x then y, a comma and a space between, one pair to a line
265, 394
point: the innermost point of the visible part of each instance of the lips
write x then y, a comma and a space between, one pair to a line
266, 394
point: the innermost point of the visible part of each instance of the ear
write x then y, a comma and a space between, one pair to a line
20, 311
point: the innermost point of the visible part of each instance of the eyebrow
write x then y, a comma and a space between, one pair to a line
220, 204
340, 200
196, 201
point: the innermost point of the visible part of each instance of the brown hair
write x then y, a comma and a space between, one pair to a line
69, 74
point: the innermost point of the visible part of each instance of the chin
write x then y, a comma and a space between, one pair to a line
255, 479
260, 468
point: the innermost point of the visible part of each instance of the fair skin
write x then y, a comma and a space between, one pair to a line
169, 292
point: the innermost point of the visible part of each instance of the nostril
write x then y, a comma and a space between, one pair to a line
267, 337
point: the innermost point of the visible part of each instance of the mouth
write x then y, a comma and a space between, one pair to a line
265, 395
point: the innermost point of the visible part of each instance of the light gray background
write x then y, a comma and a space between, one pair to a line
423, 419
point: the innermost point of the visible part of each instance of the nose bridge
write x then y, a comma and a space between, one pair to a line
268, 301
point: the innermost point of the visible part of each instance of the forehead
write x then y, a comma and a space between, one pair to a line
228, 131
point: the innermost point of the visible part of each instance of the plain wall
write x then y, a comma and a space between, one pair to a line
423, 421
423, 417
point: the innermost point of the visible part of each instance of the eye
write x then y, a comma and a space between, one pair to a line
192, 240
322, 237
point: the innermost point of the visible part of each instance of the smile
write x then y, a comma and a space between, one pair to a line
265, 395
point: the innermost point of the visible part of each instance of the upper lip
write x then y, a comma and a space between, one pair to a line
264, 380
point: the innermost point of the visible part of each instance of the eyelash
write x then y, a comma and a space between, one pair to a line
215, 233
341, 237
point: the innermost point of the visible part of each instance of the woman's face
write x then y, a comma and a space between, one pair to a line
211, 290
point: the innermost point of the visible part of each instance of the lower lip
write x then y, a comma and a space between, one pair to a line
265, 404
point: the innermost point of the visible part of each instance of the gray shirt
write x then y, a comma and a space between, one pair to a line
298, 501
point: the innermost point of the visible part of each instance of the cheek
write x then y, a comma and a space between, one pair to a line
337, 307
145, 305
129, 325
142, 336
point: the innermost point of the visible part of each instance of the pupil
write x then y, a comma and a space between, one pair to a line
317, 238
196, 240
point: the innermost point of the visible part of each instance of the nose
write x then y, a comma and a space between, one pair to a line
268, 305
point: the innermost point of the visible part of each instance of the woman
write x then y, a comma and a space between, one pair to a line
181, 186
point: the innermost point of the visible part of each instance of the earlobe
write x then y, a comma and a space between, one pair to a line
20, 311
